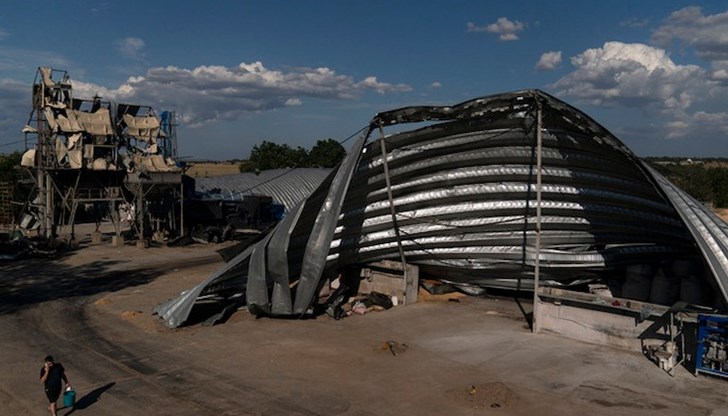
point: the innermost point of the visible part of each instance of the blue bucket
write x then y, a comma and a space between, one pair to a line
69, 398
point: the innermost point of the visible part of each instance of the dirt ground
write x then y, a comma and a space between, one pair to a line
210, 169
452, 355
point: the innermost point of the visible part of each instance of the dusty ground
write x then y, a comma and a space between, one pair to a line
723, 213
92, 311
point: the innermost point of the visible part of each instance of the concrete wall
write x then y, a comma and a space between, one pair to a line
599, 320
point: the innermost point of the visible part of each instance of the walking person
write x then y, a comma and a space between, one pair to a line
51, 376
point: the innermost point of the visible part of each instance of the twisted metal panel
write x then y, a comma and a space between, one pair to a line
464, 196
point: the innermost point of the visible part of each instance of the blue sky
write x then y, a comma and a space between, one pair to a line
655, 73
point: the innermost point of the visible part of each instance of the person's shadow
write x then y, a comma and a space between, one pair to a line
89, 398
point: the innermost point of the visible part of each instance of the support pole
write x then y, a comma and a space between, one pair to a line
181, 205
391, 202
537, 266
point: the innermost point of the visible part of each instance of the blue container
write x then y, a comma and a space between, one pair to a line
69, 398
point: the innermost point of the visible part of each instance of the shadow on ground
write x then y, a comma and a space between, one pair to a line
28, 282
90, 398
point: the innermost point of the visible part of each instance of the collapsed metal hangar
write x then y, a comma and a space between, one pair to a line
500, 191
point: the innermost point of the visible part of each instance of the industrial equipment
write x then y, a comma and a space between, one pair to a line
712, 351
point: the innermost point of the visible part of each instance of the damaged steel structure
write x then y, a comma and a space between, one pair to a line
117, 158
492, 192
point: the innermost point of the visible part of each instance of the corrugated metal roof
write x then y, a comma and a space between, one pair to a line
285, 186
463, 192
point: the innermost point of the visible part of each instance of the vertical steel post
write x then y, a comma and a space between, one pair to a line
182, 206
40, 156
391, 202
537, 269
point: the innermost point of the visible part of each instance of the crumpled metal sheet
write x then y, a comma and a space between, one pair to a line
464, 193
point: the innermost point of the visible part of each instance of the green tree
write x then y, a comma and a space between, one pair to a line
718, 178
246, 166
269, 155
10, 175
8, 162
326, 154
708, 184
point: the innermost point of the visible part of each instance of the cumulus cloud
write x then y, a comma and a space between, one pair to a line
632, 75
436, 84
211, 93
700, 123
708, 35
720, 73
645, 77
506, 29
549, 61
131, 48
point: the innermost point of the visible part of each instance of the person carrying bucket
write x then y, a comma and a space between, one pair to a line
50, 376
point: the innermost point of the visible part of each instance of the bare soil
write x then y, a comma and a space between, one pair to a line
212, 169
464, 356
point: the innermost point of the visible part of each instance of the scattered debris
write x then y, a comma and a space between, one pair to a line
489, 395
23, 248
600, 289
131, 314
394, 347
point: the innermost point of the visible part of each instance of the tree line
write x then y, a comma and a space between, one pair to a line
706, 182
268, 155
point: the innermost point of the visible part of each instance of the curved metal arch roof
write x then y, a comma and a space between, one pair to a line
286, 186
463, 192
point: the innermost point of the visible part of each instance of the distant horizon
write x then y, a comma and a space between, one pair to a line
653, 73
183, 159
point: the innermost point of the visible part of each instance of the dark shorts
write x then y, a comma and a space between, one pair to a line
53, 394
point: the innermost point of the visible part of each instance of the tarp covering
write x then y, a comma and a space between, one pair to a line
154, 163
145, 128
97, 123
464, 195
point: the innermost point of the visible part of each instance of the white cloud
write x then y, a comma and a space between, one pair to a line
293, 102
380, 87
700, 123
549, 61
85, 90
210, 93
646, 78
634, 22
632, 75
473, 28
708, 35
131, 48
436, 84
506, 29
